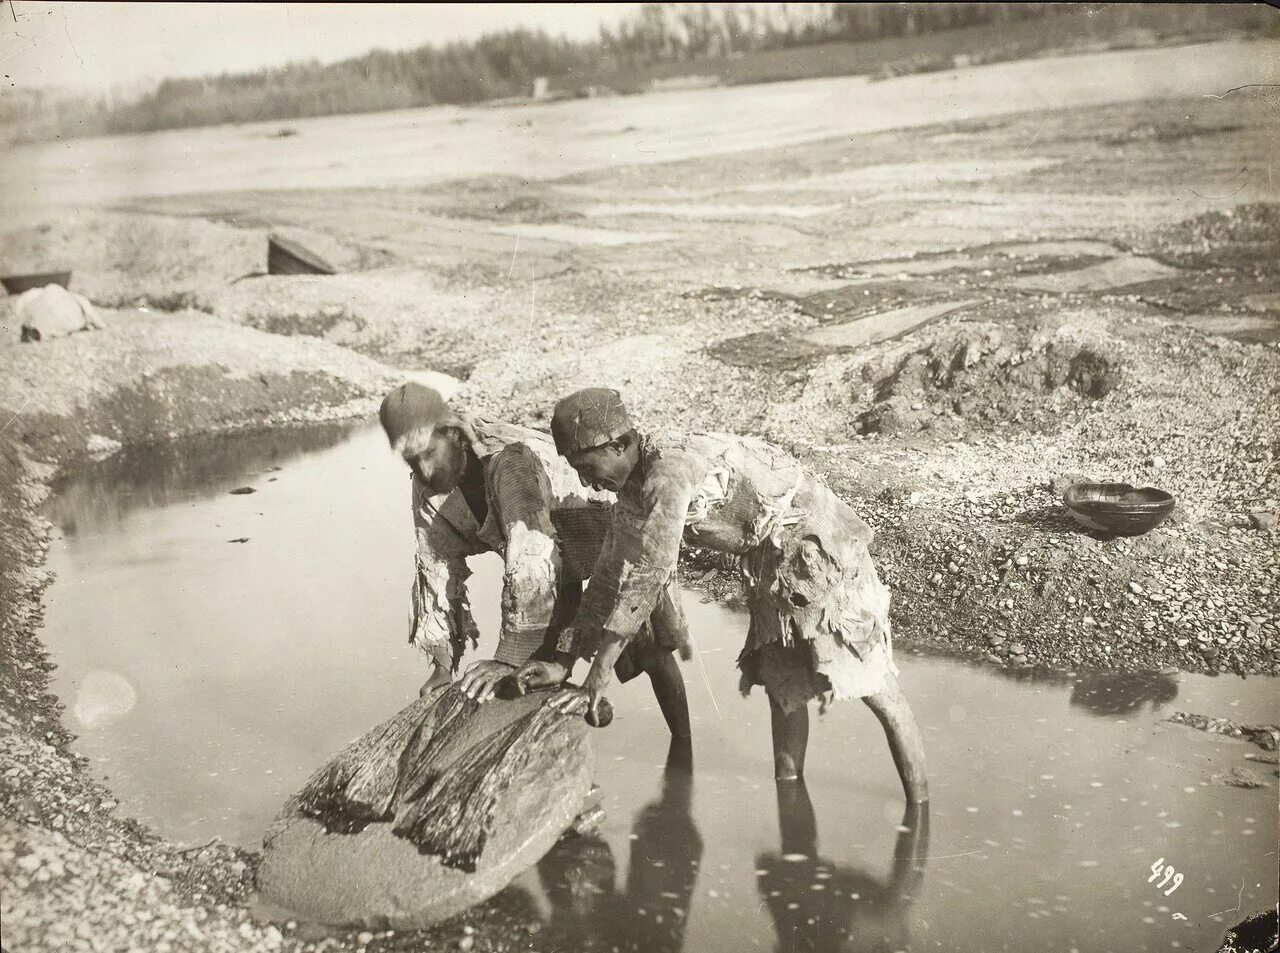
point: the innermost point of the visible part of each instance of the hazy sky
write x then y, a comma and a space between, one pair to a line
102, 45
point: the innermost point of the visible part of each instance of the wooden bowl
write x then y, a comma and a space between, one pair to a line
16, 284
1117, 507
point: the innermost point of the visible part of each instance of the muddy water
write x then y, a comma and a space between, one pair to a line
207, 678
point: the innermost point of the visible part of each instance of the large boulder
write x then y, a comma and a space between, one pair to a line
429, 854
42, 314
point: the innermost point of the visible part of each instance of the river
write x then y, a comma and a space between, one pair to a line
215, 648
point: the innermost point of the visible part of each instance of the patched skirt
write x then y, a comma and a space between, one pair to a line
819, 613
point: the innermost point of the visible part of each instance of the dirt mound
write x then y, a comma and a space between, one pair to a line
334, 322
993, 376
1246, 234
121, 260
397, 315
151, 378
1229, 265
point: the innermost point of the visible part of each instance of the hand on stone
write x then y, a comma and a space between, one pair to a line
480, 680
537, 674
571, 701
587, 701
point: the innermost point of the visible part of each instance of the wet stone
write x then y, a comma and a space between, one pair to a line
1238, 777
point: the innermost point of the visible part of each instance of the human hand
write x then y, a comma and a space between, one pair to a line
536, 674
571, 700
592, 705
482, 677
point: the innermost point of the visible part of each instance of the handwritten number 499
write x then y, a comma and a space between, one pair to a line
1159, 868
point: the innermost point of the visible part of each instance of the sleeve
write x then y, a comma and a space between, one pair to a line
440, 620
639, 556
521, 493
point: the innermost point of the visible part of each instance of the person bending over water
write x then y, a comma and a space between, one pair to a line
484, 486
819, 624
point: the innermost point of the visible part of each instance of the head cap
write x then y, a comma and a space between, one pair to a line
410, 414
589, 418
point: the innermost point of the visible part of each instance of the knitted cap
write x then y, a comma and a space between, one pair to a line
588, 418
410, 414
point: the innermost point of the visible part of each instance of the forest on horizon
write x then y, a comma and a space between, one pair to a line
734, 42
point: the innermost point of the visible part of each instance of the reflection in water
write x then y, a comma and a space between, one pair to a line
191, 468
579, 878
818, 904
102, 698
1106, 694
1123, 693
588, 911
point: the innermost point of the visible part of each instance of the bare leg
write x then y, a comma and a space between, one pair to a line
796, 821
911, 852
905, 743
790, 740
668, 688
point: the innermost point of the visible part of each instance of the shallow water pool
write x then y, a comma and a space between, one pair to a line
214, 648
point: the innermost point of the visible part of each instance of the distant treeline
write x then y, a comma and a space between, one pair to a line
507, 64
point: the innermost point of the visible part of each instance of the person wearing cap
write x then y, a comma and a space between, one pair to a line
819, 615
484, 486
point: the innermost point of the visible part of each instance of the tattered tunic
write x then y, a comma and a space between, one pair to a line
819, 614
548, 528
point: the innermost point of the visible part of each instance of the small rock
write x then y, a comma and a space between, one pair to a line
1156, 462
243, 490
1263, 521
466, 943
1060, 484
1017, 648
29, 863
1238, 778
364, 937
99, 446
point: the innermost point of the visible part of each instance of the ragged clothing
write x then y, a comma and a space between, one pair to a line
819, 614
548, 528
